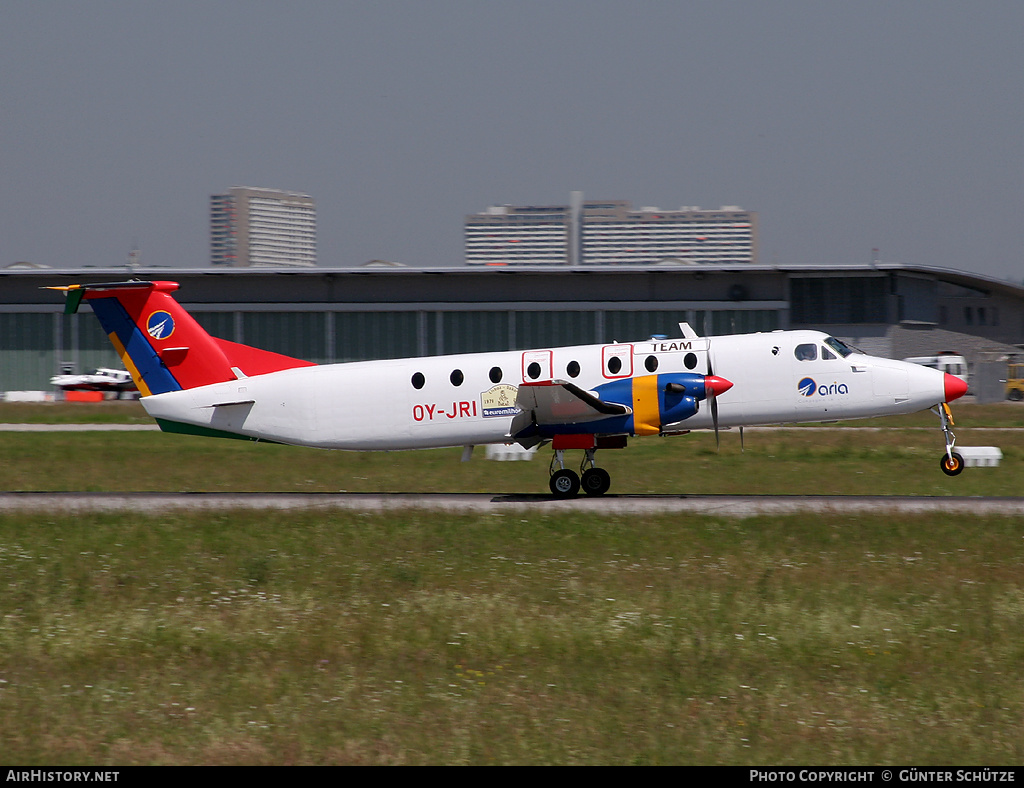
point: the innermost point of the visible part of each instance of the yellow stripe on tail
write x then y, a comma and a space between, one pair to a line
127, 361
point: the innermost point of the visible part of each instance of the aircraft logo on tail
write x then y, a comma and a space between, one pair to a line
160, 325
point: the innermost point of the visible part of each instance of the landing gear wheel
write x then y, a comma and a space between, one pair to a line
951, 466
564, 483
596, 481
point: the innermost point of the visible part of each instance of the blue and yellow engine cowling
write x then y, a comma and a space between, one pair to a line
656, 400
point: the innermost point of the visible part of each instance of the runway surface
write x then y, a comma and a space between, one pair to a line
722, 505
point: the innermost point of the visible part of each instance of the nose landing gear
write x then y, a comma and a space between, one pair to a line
952, 463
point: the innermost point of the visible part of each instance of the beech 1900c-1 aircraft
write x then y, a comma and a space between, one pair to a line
587, 397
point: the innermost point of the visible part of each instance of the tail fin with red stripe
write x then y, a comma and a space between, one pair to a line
162, 345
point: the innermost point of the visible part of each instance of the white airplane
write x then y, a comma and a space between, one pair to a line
100, 379
586, 397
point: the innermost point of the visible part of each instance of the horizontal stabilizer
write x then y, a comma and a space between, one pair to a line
75, 293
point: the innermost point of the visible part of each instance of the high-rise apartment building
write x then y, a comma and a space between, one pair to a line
609, 232
518, 235
262, 227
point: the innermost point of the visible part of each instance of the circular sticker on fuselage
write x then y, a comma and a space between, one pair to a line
160, 325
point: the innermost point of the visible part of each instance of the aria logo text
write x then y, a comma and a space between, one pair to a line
809, 388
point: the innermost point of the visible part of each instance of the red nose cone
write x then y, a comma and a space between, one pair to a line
955, 387
716, 385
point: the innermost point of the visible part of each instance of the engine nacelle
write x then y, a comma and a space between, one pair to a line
655, 400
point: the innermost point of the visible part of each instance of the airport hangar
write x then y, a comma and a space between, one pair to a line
348, 314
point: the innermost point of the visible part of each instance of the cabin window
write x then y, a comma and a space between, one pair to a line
495, 375
572, 369
533, 371
806, 352
614, 365
651, 363
418, 380
457, 377
690, 360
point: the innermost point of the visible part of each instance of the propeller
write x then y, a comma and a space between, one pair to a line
715, 385
712, 399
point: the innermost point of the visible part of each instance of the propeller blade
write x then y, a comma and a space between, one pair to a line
714, 417
713, 386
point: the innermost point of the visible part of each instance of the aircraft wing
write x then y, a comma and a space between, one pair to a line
558, 402
561, 402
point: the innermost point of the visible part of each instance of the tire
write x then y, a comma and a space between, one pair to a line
951, 466
1015, 395
596, 481
564, 483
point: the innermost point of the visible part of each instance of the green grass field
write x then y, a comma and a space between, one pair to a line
110, 412
903, 461
547, 637
428, 638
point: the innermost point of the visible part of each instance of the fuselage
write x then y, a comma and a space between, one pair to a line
778, 377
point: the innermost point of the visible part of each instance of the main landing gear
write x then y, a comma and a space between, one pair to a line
566, 483
952, 463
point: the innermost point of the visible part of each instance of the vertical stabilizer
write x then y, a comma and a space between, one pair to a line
162, 345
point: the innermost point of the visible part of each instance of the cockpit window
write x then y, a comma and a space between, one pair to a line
827, 355
839, 347
808, 352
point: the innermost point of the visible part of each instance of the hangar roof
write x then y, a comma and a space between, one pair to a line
464, 284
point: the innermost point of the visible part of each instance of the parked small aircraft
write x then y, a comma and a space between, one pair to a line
587, 397
100, 379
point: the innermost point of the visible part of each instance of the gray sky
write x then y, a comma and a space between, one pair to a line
846, 126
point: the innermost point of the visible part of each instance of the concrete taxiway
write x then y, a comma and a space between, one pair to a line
609, 505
